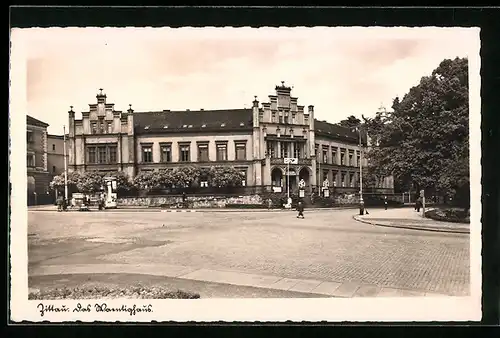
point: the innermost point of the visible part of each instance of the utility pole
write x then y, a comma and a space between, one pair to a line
288, 181
65, 167
361, 202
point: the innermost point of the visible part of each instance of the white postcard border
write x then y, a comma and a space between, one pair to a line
334, 309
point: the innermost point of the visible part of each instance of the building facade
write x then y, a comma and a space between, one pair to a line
255, 141
38, 178
55, 154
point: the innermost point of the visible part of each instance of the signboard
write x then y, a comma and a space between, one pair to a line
301, 193
276, 189
291, 160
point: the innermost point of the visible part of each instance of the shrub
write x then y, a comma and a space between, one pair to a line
449, 215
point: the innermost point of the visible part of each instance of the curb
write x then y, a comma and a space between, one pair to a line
412, 227
199, 210
178, 210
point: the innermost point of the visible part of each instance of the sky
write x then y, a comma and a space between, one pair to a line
341, 71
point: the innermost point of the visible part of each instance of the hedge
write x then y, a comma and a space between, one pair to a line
448, 215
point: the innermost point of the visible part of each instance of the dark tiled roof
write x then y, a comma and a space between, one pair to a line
338, 132
61, 137
192, 120
31, 121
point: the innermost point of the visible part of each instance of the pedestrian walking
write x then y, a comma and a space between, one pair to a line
300, 209
419, 204
59, 203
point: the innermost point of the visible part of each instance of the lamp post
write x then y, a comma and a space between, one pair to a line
361, 202
65, 166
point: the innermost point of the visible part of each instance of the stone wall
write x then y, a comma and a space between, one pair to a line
346, 198
196, 202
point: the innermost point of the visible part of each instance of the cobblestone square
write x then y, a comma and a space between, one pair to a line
327, 246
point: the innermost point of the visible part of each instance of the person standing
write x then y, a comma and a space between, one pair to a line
300, 209
419, 204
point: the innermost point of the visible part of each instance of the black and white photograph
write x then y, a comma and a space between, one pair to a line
245, 174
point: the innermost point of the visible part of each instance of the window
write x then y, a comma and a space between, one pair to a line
306, 119
110, 127
293, 117
270, 149
241, 151
30, 160
147, 154
325, 155
203, 152
358, 159
102, 155
221, 152
273, 115
29, 137
284, 149
53, 168
184, 153
316, 151
112, 154
244, 180
296, 150
280, 119
92, 158
101, 127
342, 157
53, 147
261, 115
351, 158
342, 179
93, 127
334, 156
325, 176
166, 153
286, 119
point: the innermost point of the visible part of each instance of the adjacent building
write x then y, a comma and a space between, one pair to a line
255, 141
36, 160
44, 160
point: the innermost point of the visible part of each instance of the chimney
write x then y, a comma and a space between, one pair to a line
71, 122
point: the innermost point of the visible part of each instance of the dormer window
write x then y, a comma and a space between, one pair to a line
190, 126
242, 124
146, 127
165, 127
223, 125
184, 126
203, 125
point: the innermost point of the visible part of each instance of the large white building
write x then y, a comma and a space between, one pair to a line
255, 141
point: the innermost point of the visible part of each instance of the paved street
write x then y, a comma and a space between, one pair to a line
326, 247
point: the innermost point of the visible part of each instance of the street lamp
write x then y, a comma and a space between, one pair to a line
361, 202
65, 164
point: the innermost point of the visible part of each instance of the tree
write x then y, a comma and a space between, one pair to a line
185, 176
351, 122
90, 182
424, 140
223, 176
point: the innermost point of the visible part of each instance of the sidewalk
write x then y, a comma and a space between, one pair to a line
325, 288
158, 209
408, 218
